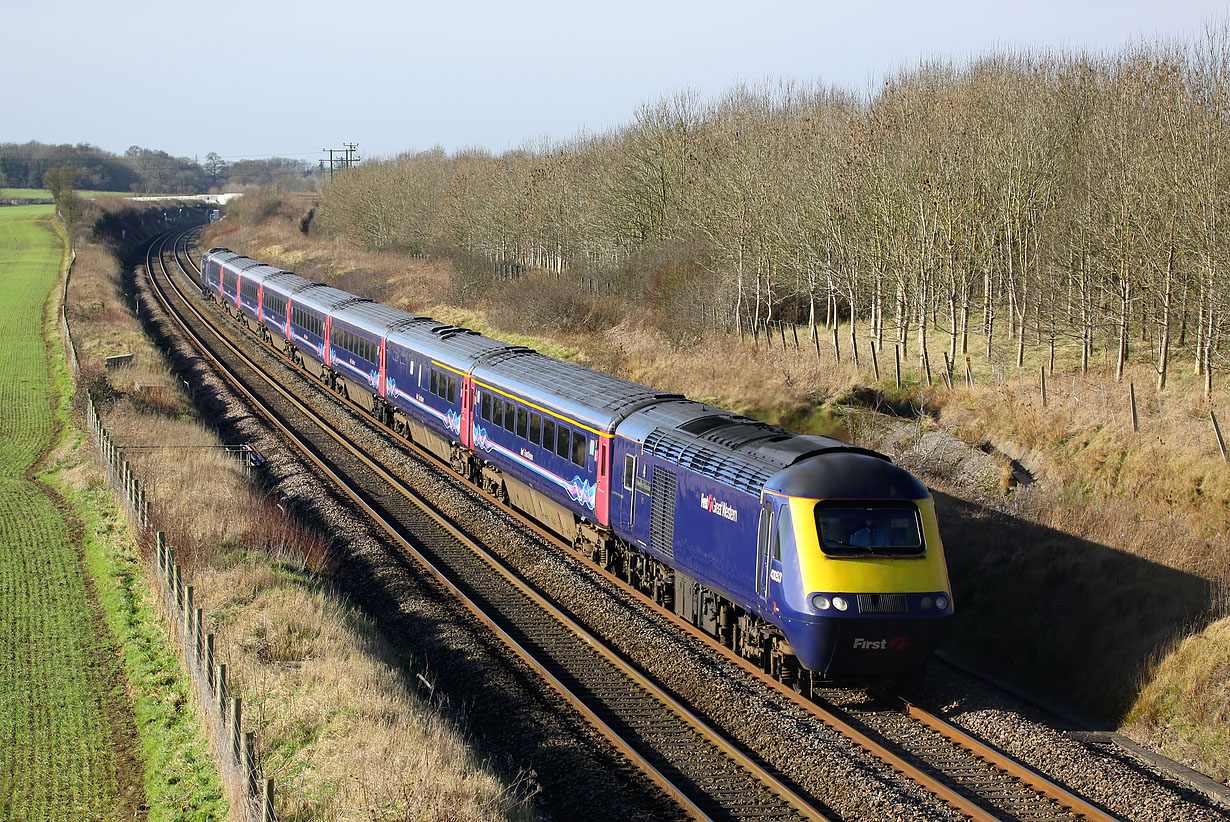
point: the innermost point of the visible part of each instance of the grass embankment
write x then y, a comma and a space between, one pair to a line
1078, 586
65, 718
339, 726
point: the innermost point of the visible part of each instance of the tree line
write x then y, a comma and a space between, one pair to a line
1037, 197
147, 171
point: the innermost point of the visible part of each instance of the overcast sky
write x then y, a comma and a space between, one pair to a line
259, 78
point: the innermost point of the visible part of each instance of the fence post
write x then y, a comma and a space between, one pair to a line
220, 678
179, 589
875, 360
897, 359
1042, 369
1221, 442
969, 373
209, 662
196, 635
1135, 418
267, 802
247, 763
160, 540
187, 609
236, 716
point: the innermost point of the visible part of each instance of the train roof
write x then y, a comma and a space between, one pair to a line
452, 345
287, 283
376, 318
233, 260
591, 396
261, 273
324, 298
733, 449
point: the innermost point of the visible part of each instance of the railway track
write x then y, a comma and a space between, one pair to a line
691, 761
958, 770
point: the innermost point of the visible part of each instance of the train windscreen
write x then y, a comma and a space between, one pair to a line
854, 529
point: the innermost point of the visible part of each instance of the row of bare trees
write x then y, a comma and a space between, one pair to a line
1029, 197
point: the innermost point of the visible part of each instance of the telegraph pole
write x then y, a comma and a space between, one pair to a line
346, 158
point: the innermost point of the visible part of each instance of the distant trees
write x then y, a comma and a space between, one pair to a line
147, 170
1031, 198
60, 181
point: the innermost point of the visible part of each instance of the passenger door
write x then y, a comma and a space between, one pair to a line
764, 542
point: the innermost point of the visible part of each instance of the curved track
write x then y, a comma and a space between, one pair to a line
960, 771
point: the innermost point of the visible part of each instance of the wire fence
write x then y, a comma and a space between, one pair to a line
1142, 409
219, 705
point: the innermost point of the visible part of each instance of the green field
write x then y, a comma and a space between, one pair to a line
63, 747
44, 194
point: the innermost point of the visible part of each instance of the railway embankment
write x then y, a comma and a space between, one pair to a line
1086, 555
337, 722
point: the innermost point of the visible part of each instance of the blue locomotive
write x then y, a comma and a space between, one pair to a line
810, 556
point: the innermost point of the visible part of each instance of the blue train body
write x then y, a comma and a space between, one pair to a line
805, 554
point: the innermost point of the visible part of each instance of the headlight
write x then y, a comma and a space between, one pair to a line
926, 603
840, 603
941, 602
820, 602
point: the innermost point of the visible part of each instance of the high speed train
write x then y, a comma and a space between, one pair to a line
813, 558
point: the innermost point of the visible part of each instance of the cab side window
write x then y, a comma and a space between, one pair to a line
783, 531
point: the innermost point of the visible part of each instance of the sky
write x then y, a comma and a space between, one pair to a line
262, 78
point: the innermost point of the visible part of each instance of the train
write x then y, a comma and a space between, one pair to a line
813, 558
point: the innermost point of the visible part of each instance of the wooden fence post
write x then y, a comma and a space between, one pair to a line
209, 663
267, 802
236, 716
836, 346
1042, 369
1135, 418
196, 634
875, 360
247, 763
897, 361
1221, 442
221, 687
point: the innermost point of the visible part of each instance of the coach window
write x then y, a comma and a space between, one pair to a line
548, 434
452, 389
564, 444
523, 419
434, 379
578, 448
510, 417
498, 419
486, 406
535, 428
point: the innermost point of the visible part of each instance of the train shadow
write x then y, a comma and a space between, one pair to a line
1073, 621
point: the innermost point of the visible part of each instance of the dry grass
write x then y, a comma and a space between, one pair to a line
339, 726
1184, 706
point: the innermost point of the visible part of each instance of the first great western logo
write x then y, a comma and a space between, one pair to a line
713, 505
